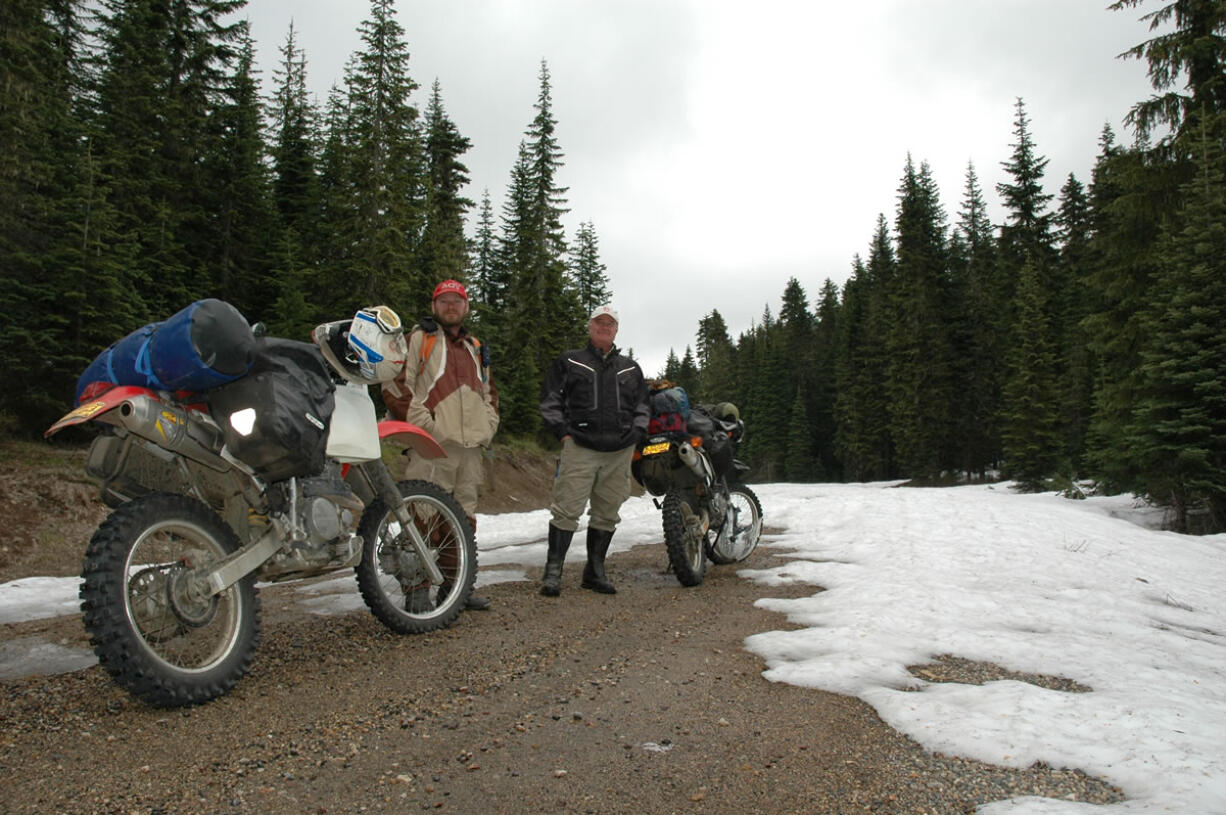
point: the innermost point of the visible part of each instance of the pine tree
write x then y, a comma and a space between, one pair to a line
54, 314
1073, 224
165, 72
687, 374
519, 385
444, 250
799, 464
821, 398
382, 172
241, 213
487, 292
672, 366
1179, 432
1129, 205
1026, 236
978, 353
1030, 431
862, 406
294, 125
544, 317
1196, 48
919, 371
333, 251
796, 345
587, 273
1027, 249
716, 358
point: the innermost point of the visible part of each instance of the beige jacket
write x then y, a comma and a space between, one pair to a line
446, 388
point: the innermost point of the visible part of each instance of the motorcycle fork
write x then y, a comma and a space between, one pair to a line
381, 483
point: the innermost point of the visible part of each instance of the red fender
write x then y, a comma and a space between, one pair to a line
410, 435
104, 403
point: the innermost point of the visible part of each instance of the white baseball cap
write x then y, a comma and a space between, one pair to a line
605, 311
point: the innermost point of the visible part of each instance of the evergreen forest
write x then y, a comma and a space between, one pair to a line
1080, 343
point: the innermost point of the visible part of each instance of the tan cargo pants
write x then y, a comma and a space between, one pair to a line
460, 473
585, 474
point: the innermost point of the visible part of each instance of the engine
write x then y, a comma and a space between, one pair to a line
324, 513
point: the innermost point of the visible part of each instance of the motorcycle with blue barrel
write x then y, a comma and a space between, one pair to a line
231, 458
688, 460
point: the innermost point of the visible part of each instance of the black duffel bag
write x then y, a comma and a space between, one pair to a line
291, 390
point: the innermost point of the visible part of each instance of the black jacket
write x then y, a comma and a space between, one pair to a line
600, 401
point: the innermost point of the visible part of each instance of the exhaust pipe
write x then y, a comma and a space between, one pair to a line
697, 463
172, 428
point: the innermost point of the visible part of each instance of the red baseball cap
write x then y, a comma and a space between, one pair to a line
453, 286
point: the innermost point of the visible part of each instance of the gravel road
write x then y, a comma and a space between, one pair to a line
642, 702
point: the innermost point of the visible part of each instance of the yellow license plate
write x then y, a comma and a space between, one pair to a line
654, 449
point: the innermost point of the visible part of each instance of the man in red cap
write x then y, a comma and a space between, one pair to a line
446, 389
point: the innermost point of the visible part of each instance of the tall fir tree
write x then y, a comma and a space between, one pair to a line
241, 216
488, 285
796, 345
976, 334
1074, 232
1178, 435
716, 358
821, 399
1195, 50
444, 249
1130, 202
1030, 430
54, 297
382, 177
919, 370
293, 122
862, 405
799, 463
163, 72
544, 317
1027, 249
1026, 236
588, 274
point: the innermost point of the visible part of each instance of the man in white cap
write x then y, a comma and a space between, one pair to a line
594, 400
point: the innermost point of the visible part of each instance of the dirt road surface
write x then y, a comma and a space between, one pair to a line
640, 702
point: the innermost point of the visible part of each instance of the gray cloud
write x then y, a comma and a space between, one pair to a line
723, 147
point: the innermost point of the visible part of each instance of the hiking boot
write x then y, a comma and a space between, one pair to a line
473, 603
417, 601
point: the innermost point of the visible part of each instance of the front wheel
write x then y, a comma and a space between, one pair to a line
391, 577
741, 539
154, 626
685, 539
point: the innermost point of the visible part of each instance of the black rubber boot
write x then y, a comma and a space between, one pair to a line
593, 573
559, 542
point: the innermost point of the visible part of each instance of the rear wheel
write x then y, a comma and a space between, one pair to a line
391, 577
155, 626
746, 527
685, 539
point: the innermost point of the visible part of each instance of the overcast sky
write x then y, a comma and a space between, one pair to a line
721, 148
